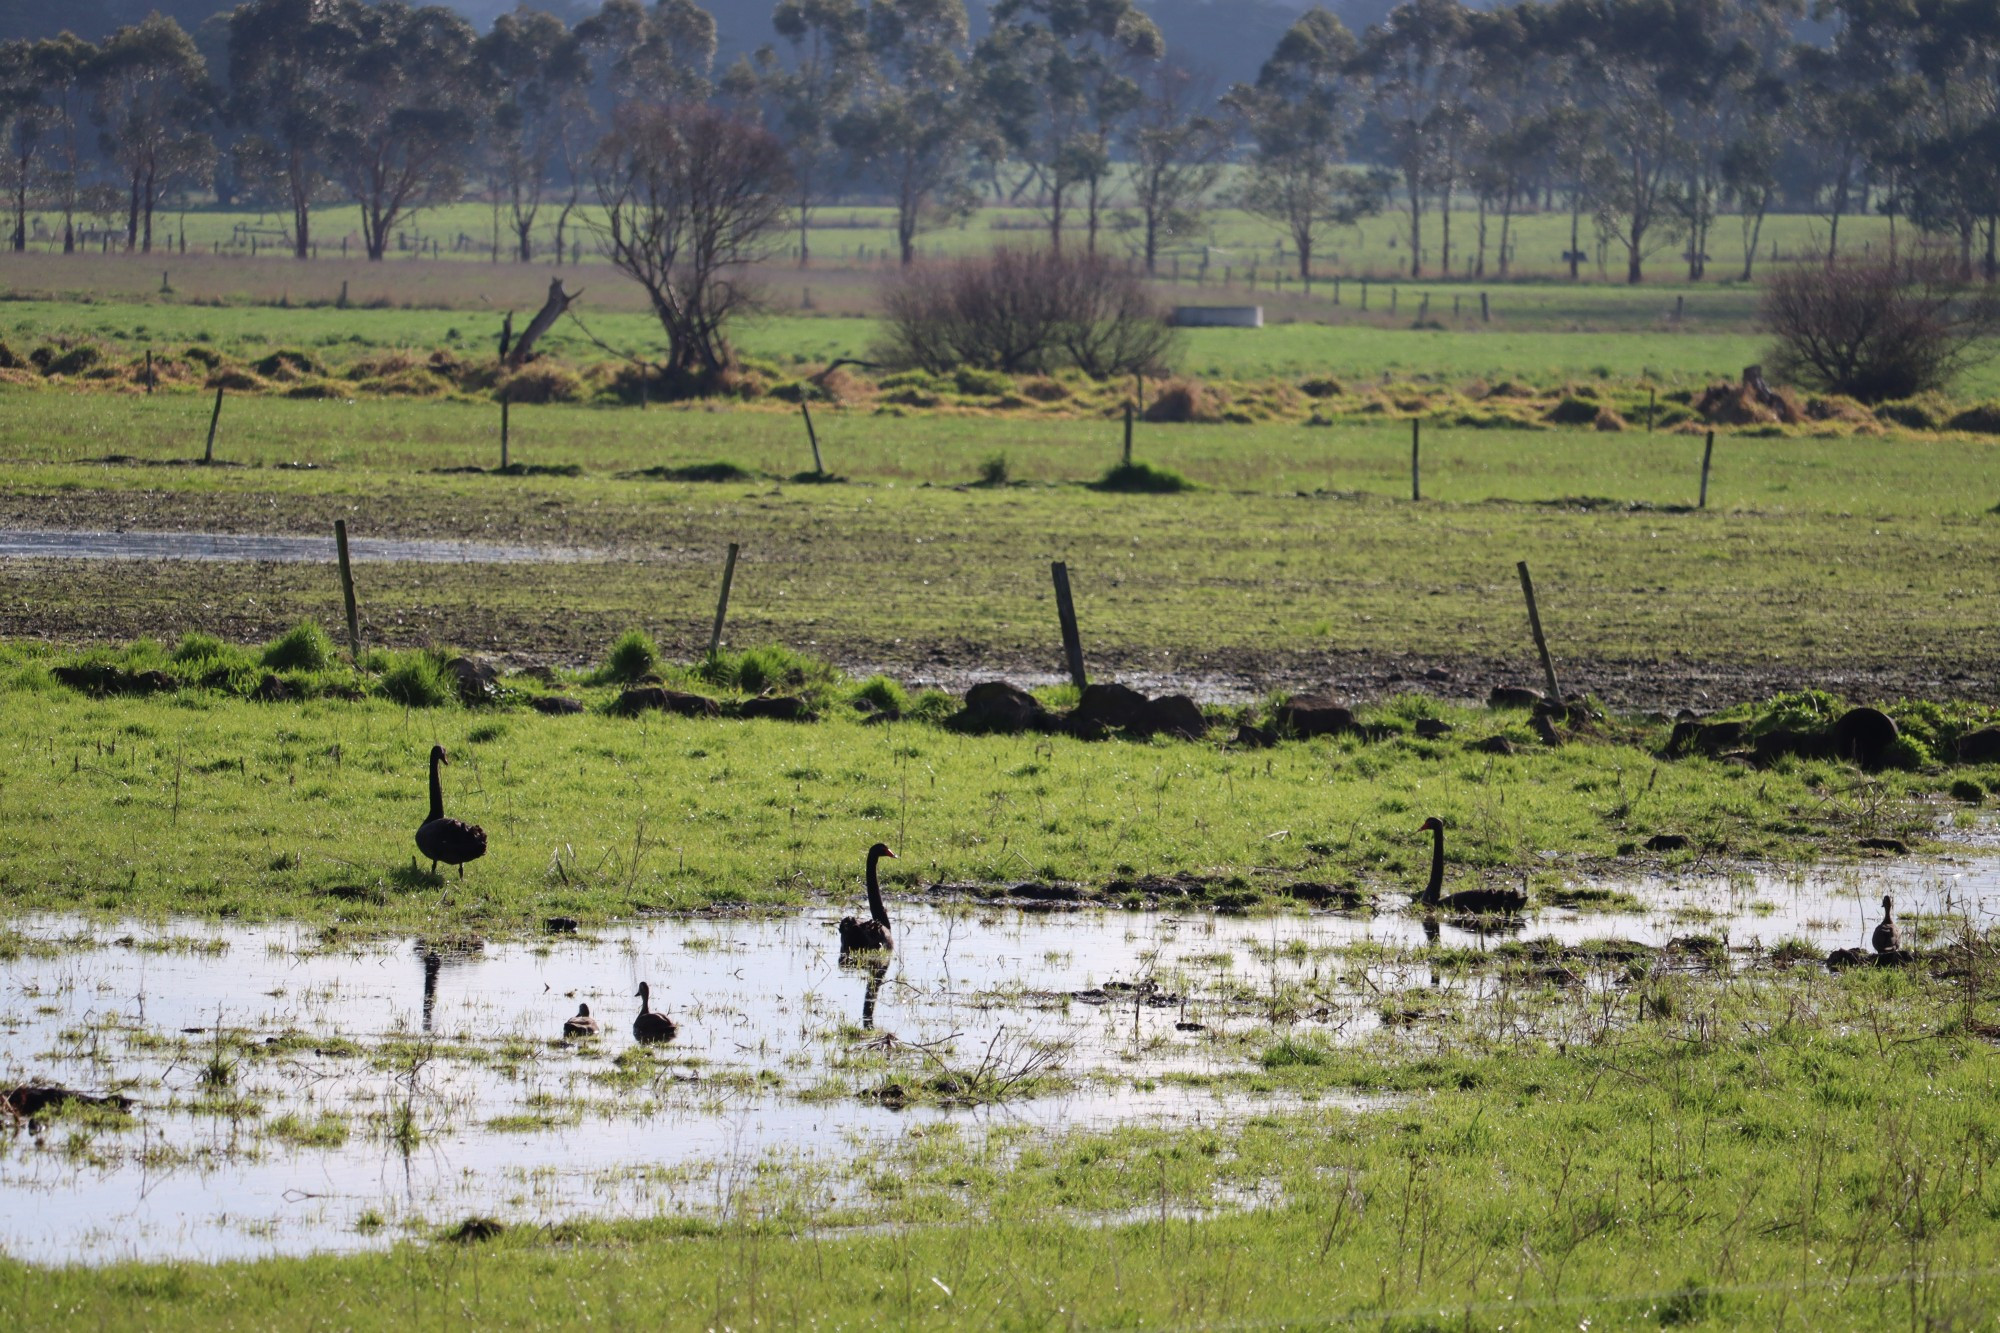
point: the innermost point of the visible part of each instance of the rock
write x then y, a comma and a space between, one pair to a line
1309, 715
1666, 842
651, 697
1438, 674
152, 682
272, 689
1893, 845
1864, 735
1176, 715
91, 678
1036, 891
478, 680
555, 705
994, 705
1514, 696
1492, 745
1083, 728
1255, 738
1113, 705
1431, 728
778, 707
1980, 747
1695, 736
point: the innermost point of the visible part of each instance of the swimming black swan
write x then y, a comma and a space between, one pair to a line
1887, 938
861, 936
1466, 900
452, 841
649, 1025
580, 1023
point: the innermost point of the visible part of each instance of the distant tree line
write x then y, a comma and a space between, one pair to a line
1646, 122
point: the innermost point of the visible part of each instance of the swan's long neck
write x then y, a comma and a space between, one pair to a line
437, 792
1436, 886
875, 908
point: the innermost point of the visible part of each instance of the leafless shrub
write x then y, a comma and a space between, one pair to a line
1025, 312
1877, 331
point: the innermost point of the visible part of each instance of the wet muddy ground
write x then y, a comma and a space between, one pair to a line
297, 1092
75, 544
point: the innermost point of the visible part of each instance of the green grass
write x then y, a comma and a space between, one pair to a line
1796, 1149
214, 806
1816, 555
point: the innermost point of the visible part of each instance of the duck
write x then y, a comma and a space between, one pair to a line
452, 841
651, 1025
1887, 938
873, 934
1467, 901
580, 1023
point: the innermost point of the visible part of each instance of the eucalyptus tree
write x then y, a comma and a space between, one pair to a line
1062, 78
660, 56
911, 123
804, 95
1418, 64
23, 124
1513, 149
410, 96
152, 105
1299, 115
61, 68
539, 76
285, 58
1177, 146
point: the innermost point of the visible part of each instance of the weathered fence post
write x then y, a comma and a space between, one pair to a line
347, 591
1066, 611
722, 602
1541, 644
812, 437
1128, 435
1707, 453
208, 454
1485, 311
503, 434
1416, 478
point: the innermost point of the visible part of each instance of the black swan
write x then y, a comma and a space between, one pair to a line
1466, 900
580, 1023
650, 1025
862, 936
452, 841
1887, 939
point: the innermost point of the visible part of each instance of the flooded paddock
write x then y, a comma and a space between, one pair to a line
296, 1092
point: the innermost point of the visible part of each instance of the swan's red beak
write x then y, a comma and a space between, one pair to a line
891, 855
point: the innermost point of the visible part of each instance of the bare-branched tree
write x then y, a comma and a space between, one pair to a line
1876, 331
689, 197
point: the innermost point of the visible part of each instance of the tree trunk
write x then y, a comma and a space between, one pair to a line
132, 213
1479, 263
1575, 221
1506, 225
1416, 225
148, 212
1152, 242
545, 319
1756, 231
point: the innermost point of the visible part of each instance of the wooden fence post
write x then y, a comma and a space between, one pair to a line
1416, 477
1541, 644
1066, 610
1707, 453
722, 602
1128, 435
149, 370
347, 591
1485, 311
812, 437
503, 434
208, 454
1652, 397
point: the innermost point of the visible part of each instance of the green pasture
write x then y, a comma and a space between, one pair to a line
845, 235
1820, 554
1358, 351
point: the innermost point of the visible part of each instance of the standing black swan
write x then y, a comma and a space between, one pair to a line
1466, 900
452, 841
861, 936
1887, 938
580, 1023
651, 1025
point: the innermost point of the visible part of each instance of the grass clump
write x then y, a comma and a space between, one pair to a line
769, 668
1970, 790
418, 679
1142, 479
303, 647
632, 659
883, 695
717, 471
993, 470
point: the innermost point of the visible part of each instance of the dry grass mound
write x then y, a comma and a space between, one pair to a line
1184, 401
